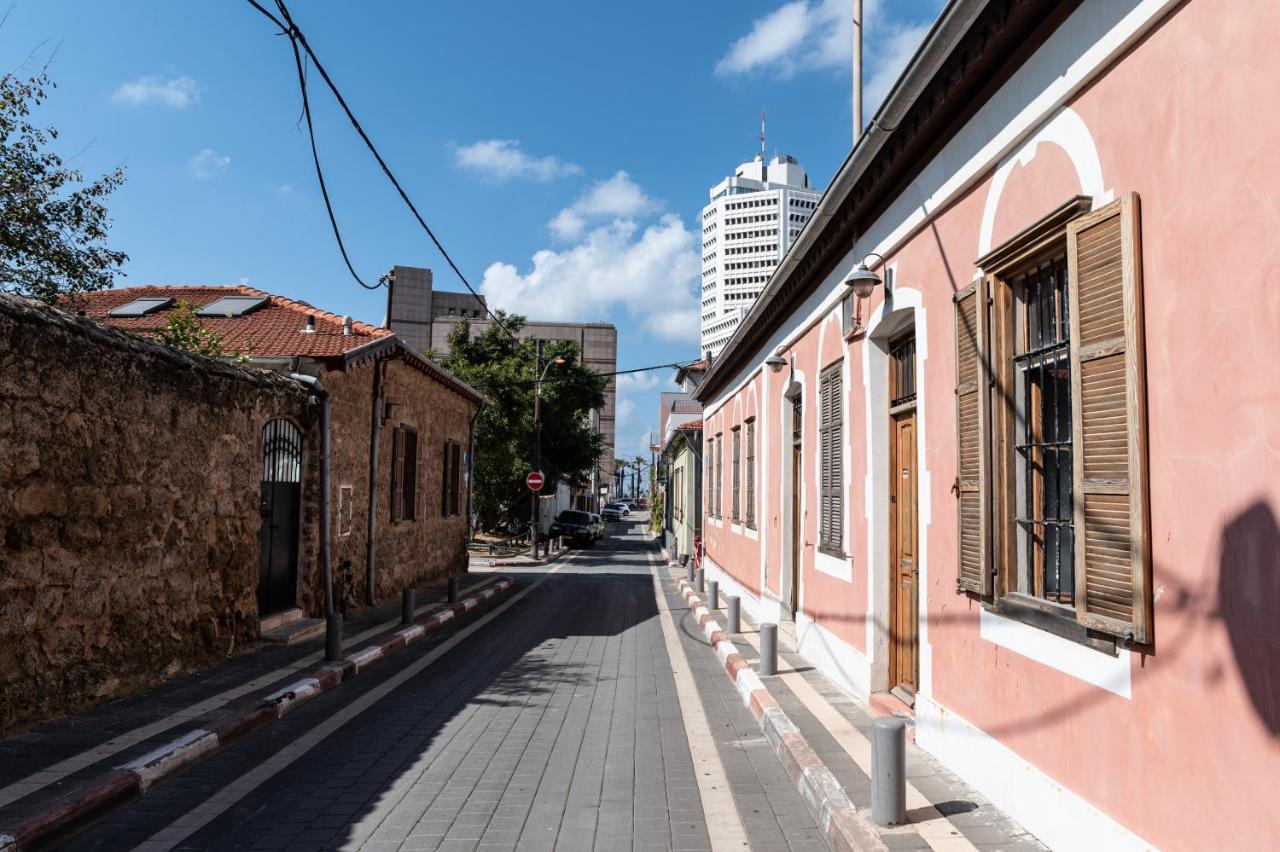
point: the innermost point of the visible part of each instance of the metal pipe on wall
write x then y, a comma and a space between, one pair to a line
375, 431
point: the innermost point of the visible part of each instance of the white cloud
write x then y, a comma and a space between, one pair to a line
650, 270
638, 381
207, 163
626, 410
811, 35
502, 159
177, 92
617, 197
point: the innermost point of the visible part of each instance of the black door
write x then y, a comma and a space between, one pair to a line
278, 536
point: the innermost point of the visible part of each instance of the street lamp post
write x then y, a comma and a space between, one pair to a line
540, 373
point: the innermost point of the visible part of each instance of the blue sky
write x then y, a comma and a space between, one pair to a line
561, 150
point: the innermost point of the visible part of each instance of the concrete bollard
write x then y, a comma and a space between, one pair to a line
333, 637
733, 604
768, 648
888, 771
689, 567
406, 606
713, 593
453, 590
702, 581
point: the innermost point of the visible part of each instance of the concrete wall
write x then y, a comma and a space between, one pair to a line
1175, 745
129, 483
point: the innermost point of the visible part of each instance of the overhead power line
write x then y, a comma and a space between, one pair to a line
551, 378
300, 46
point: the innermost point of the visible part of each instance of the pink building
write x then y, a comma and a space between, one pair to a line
1027, 491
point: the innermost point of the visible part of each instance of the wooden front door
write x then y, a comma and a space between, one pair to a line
904, 664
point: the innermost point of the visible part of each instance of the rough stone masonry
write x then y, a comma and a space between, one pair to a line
129, 517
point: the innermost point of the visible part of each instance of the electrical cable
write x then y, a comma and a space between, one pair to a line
530, 382
287, 27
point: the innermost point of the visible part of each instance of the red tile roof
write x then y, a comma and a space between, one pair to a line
276, 328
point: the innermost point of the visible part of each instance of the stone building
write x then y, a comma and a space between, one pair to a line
129, 508
401, 442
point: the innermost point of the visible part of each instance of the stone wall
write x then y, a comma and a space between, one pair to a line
407, 553
129, 486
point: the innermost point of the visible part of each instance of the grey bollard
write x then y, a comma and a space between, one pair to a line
768, 649
888, 771
333, 637
702, 581
453, 590
735, 614
406, 606
689, 566
713, 592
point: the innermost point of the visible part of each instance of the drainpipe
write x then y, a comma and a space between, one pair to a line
318, 389
375, 429
471, 461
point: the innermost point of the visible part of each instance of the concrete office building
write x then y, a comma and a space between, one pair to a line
752, 219
424, 318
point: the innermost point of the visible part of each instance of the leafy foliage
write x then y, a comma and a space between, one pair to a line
183, 331
53, 226
503, 370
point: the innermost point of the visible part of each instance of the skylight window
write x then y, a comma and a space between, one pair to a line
140, 307
232, 306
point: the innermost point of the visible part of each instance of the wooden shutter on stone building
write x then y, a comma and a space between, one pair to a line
972, 318
397, 485
1113, 574
831, 509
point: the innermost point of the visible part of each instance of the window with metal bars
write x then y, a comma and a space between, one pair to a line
1043, 454
902, 367
734, 507
750, 519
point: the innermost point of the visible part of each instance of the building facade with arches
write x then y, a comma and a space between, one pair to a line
1018, 494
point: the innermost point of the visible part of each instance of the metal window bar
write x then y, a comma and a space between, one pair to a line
1046, 440
902, 356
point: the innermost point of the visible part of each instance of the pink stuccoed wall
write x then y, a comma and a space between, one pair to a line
1188, 119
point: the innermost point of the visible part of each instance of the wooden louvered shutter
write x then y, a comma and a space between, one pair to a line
397, 453
972, 317
824, 459
832, 524
1108, 407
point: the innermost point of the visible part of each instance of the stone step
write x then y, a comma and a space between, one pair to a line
279, 619
293, 632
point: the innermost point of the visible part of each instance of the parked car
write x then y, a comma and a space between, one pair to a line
611, 513
575, 527
621, 506
597, 526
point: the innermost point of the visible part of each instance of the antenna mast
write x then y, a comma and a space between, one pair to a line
761, 136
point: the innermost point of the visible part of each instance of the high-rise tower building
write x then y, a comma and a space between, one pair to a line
752, 219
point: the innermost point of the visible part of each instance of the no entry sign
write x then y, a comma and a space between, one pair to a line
534, 480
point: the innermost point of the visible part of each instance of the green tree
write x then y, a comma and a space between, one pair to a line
53, 225
182, 330
503, 370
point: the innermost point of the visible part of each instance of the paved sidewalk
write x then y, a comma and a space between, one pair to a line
944, 813
40, 765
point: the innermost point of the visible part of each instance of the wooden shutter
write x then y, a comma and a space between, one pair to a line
751, 473
455, 479
409, 479
444, 480
1108, 408
831, 486
397, 453
736, 507
972, 317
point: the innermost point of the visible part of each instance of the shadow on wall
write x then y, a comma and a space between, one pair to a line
1249, 604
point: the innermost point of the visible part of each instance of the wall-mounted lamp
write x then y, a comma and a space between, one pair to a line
862, 281
388, 410
775, 362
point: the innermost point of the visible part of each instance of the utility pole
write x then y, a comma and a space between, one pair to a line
537, 446
857, 71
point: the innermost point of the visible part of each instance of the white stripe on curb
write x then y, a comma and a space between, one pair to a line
293, 695
157, 764
365, 657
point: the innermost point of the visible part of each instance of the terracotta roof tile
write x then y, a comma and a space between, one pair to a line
273, 329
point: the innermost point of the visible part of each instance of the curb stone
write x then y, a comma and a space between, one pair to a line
132, 780
837, 817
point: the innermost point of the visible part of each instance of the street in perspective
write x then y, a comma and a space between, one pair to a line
810, 425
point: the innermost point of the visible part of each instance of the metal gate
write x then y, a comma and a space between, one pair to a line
279, 506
